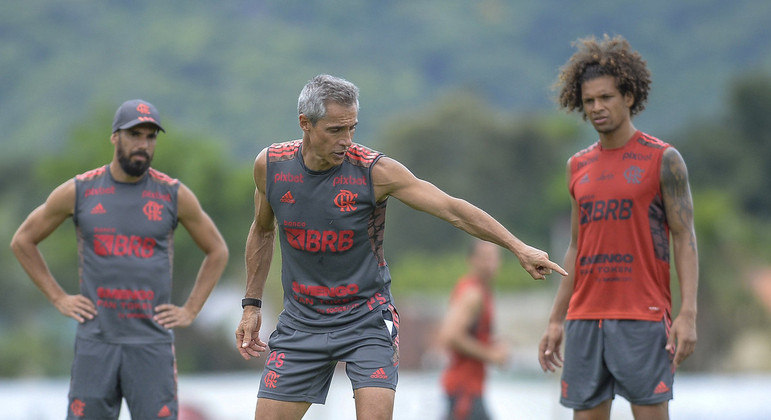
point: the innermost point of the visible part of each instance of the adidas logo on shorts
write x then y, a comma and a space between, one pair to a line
661, 388
165, 412
379, 374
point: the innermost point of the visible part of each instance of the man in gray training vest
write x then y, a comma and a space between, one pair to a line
125, 214
328, 197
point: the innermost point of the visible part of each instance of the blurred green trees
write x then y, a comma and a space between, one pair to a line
513, 167
237, 66
729, 163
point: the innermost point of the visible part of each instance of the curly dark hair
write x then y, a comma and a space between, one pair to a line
608, 57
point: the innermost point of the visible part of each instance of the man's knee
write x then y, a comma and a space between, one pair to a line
598, 412
374, 403
268, 409
658, 411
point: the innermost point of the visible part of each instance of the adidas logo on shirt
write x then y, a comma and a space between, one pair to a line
98, 209
287, 198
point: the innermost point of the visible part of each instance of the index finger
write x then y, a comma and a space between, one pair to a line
554, 266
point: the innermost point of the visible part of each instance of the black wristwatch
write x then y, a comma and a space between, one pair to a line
251, 302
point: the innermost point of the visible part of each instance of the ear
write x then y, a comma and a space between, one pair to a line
305, 123
115, 137
628, 99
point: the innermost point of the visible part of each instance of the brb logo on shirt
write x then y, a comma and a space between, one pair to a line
319, 241
123, 245
594, 211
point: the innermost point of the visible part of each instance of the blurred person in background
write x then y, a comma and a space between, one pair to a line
328, 195
125, 214
629, 191
466, 332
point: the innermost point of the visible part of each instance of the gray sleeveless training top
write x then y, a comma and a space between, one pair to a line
331, 234
125, 242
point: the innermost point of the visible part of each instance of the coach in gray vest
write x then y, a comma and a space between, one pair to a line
125, 214
327, 197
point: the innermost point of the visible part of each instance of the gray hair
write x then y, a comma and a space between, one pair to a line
322, 89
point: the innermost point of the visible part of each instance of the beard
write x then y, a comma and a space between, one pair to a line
133, 168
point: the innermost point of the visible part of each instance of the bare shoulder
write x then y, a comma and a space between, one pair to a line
472, 296
261, 168
388, 170
261, 159
473, 291
62, 198
386, 165
66, 188
187, 202
672, 154
388, 176
673, 169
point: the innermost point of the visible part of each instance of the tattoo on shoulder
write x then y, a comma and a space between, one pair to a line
674, 175
676, 191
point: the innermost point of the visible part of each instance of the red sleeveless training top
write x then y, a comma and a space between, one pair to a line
463, 372
622, 265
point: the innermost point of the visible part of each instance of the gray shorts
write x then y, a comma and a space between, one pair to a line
103, 374
300, 364
608, 357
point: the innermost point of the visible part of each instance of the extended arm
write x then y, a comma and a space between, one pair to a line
678, 205
392, 178
210, 241
259, 254
39, 224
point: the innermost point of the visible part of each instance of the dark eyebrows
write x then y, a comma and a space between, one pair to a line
135, 133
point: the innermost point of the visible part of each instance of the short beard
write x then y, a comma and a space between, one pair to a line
133, 168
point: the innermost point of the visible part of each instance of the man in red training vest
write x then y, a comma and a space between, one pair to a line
629, 192
466, 332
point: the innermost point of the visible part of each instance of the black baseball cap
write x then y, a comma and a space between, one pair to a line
135, 112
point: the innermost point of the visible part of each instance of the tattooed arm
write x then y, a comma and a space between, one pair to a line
678, 205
